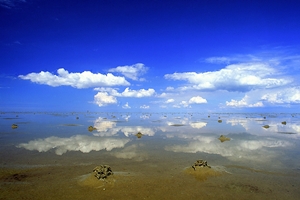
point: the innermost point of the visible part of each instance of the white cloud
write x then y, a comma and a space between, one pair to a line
243, 103
145, 107
128, 92
169, 88
170, 101
133, 72
138, 93
184, 103
197, 100
85, 79
235, 77
283, 96
102, 99
126, 106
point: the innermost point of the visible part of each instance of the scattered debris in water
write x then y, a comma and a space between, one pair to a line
102, 171
266, 126
200, 163
91, 128
201, 170
223, 138
14, 126
139, 135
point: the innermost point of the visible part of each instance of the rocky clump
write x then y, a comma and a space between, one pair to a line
266, 126
102, 171
14, 126
139, 135
200, 163
91, 128
223, 138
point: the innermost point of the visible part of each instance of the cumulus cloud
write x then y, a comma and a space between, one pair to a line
197, 100
170, 101
133, 71
85, 79
137, 93
287, 95
103, 99
235, 77
128, 92
126, 106
243, 103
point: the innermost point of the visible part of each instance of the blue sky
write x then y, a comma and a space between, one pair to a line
150, 56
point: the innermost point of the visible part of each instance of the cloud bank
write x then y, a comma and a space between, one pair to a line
85, 79
234, 77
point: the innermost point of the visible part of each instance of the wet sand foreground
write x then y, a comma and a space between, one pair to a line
145, 180
54, 158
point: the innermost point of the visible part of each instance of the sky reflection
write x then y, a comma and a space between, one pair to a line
249, 140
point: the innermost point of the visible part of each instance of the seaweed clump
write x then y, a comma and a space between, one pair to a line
223, 138
102, 171
91, 128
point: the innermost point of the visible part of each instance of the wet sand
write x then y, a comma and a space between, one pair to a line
156, 166
146, 180
55, 183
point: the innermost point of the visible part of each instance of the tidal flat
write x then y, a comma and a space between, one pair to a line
52, 155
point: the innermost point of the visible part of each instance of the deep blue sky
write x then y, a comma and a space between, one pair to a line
150, 56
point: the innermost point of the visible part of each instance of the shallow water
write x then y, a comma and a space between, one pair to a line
52, 155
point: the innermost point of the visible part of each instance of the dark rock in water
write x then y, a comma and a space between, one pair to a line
14, 126
266, 126
222, 138
220, 121
200, 163
102, 171
284, 122
139, 135
91, 128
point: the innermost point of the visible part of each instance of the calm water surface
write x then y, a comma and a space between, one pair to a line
52, 155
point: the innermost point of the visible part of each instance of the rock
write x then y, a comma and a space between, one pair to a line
220, 121
284, 122
200, 163
266, 126
139, 135
222, 138
91, 128
14, 126
102, 171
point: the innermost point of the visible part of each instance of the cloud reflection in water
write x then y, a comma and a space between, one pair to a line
81, 143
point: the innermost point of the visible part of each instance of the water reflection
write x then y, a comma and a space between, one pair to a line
246, 139
81, 143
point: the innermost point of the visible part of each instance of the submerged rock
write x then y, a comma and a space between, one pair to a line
14, 126
91, 128
223, 138
284, 122
139, 135
102, 171
266, 126
201, 170
220, 121
200, 163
